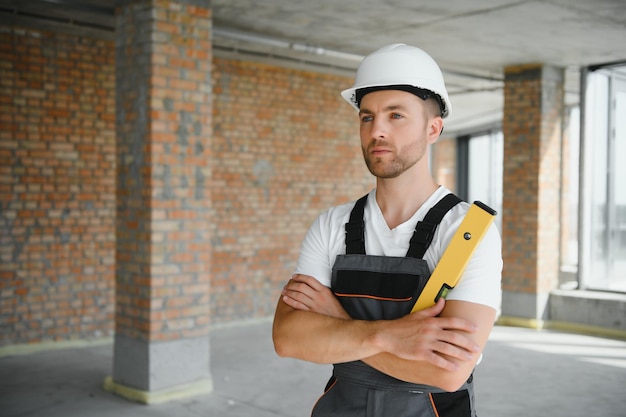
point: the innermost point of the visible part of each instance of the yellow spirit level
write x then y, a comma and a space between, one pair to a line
456, 256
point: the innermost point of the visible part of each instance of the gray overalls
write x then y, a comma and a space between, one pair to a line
386, 288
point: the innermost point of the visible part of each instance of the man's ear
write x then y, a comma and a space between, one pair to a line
435, 128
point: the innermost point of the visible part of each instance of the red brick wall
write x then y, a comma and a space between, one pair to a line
285, 147
443, 162
533, 103
57, 186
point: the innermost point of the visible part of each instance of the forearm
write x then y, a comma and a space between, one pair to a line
324, 339
311, 325
424, 372
319, 338
419, 372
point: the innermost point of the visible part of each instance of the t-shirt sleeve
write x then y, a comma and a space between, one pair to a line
314, 259
481, 281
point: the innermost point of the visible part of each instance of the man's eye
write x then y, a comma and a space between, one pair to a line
366, 119
396, 116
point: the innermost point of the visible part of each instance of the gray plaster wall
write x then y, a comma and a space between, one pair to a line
590, 308
525, 305
153, 366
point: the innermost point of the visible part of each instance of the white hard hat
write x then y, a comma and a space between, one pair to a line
400, 67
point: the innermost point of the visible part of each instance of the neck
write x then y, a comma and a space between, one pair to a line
399, 198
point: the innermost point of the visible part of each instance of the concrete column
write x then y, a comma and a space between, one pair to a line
163, 119
533, 110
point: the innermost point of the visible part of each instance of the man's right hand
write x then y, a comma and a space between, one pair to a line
303, 292
423, 336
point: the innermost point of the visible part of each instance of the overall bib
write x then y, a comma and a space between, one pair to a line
386, 288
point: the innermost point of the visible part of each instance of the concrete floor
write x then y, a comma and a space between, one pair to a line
524, 373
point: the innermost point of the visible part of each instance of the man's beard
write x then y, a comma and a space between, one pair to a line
392, 168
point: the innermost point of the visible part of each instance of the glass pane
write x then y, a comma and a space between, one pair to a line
597, 135
478, 175
570, 253
485, 171
618, 226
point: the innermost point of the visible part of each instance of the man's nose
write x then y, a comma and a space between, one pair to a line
379, 128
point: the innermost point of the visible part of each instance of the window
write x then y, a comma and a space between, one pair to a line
479, 174
602, 238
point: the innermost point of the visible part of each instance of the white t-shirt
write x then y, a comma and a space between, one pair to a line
480, 283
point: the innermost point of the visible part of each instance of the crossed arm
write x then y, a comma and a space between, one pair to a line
434, 346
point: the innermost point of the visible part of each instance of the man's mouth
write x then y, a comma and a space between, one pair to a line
378, 151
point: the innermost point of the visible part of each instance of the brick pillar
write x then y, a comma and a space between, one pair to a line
533, 109
163, 111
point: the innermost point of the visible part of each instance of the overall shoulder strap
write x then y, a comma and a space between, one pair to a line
355, 228
425, 229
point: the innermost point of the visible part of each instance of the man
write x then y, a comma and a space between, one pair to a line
362, 265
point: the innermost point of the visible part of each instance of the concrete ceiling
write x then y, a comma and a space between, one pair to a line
473, 41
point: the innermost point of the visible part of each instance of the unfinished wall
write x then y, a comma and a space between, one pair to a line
285, 147
57, 186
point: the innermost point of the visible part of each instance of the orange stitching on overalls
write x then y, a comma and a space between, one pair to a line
432, 402
372, 297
